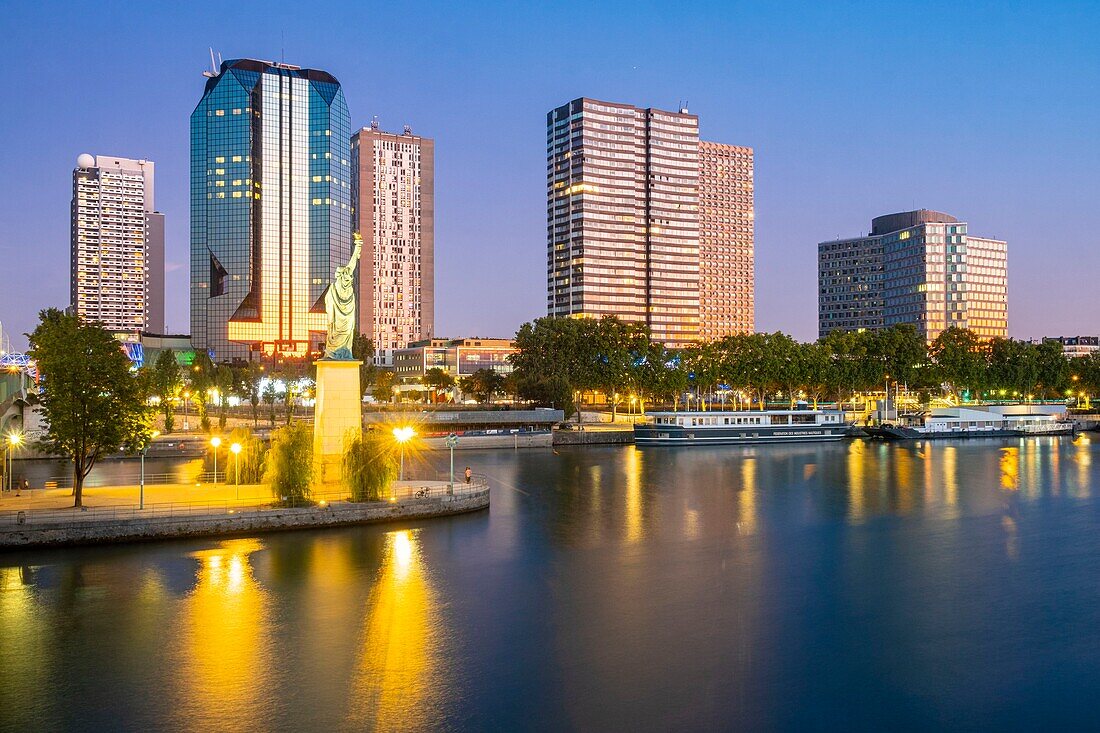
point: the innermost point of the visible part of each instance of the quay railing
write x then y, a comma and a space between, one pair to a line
410, 490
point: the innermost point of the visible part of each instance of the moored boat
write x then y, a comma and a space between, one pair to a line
991, 421
742, 427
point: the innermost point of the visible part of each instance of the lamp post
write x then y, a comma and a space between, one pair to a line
186, 399
452, 441
216, 442
236, 450
402, 436
141, 488
14, 440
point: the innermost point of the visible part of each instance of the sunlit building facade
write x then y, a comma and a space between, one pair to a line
727, 282
456, 357
393, 189
934, 275
623, 216
270, 207
116, 245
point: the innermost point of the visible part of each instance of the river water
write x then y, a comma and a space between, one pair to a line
855, 586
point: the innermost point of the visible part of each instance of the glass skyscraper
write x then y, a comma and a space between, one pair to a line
270, 207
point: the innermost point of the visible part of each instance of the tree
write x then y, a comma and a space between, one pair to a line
362, 348
960, 358
383, 385
270, 395
1052, 368
165, 381
224, 381
437, 380
289, 464
94, 405
482, 384
370, 465
248, 465
202, 381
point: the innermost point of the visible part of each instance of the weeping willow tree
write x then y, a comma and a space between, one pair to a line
247, 466
369, 465
289, 464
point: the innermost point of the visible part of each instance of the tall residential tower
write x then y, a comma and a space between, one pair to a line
918, 267
117, 245
393, 190
270, 207
637, 211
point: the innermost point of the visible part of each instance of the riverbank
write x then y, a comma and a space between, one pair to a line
117, 523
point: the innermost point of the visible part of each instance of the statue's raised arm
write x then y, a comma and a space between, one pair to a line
340, 306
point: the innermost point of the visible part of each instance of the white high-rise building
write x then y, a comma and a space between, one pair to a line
117, 245
393, 190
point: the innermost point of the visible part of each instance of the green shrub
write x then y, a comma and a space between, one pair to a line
369, 465
289, 464
250, 461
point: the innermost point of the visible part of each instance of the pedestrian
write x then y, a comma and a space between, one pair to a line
468, 474
25, 486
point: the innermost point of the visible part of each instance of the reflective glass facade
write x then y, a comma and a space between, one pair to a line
270, 207
918, 267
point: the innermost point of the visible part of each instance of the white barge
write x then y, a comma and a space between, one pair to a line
736, 428
993, 421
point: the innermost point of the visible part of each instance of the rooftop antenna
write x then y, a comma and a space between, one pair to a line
282, 46
374, 123
213, 66
408, 129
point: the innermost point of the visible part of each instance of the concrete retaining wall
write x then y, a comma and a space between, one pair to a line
593, 437
84, 532
474, 442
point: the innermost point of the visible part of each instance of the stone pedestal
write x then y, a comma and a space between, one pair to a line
338, 411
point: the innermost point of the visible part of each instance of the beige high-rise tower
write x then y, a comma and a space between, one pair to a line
117, 245
646, 223
727, 282
393, 191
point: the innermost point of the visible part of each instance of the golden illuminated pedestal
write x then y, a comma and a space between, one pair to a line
338, 411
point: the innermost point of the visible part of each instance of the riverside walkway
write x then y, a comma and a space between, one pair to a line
112, 514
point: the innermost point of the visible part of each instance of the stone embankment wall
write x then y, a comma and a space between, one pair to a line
83, 532
593, 437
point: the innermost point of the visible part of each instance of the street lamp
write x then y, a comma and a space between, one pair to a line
402, 436
236, 450
14, 441
141, 489
452, 441
216, 442
186, 399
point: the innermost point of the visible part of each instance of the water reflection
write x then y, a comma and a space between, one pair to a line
396, 682
224, 658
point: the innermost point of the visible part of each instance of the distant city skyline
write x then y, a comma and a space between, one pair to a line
805, 86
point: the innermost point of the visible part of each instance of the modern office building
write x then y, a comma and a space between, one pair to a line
646, 223
727, 281
919, 267
117, 244
393, 191
270, 207
457, 357
623, 216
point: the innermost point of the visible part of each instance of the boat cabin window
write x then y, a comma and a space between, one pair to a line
781, 419
802, 419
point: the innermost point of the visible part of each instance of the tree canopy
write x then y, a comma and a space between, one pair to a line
93, 403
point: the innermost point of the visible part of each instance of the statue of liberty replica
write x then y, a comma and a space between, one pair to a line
340, 307
339, 402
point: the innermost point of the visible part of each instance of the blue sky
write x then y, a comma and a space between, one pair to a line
987, 110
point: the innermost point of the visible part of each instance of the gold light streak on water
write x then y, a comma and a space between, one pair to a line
903, 471
635, 509
746, 498
950, 476
396, 682
22, 638
1010, 468
1082, 456
224, 664
857, 500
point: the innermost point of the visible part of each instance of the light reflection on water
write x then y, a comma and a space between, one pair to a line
607, 588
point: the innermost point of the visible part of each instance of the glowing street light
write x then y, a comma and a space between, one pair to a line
141, 489
235, 449
402, 436
216, 442
14, 441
